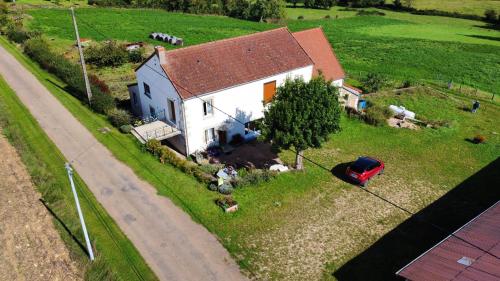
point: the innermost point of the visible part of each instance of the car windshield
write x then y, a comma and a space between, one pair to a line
363, 164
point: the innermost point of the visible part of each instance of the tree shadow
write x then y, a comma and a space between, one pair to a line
416, 235
491, 38
73, 237
489, 26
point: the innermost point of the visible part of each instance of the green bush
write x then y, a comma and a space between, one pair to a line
377, 115
118, 117
17, 34
154, 146
136, 56
107, 54
253, 177
102, 102
373, 82
126, 129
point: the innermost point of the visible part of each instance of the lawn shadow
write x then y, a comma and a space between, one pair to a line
416, 235
489, 26
73, 237
491, 38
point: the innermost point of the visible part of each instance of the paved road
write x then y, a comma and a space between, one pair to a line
174, 246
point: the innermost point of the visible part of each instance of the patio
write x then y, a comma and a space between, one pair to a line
253, 154
158, 130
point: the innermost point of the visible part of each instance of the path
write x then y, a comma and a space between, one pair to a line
30, 247
174, 246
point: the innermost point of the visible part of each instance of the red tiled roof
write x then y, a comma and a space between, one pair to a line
319, 49
442, 261
225, 63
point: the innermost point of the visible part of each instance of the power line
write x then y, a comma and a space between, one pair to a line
321, 166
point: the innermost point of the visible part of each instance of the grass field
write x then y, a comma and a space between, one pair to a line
308, 229
399, 46
117, 258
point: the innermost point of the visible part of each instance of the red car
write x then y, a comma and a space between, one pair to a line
364, 169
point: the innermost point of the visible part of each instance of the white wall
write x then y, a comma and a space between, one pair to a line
161, 90
243, 102
338, 83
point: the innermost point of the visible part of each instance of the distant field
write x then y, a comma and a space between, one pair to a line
400, 46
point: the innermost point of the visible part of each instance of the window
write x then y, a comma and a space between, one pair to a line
147, 90
209, 135
208, 108
152, 111
171, 112
269, 91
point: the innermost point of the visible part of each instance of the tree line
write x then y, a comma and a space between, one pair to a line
256, 10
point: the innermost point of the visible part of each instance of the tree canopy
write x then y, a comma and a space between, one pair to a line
302, 115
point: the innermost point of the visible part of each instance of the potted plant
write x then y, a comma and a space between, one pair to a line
227, 203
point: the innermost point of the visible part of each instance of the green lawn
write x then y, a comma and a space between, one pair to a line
117, 258
302, 225
400, 46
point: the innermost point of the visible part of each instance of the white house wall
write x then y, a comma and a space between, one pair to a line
244, 102
161, 91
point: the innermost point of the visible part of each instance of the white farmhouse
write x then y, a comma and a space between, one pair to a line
197, 92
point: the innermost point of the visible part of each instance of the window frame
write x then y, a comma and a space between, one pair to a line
147, 90
206, 113
172, 115
206, 135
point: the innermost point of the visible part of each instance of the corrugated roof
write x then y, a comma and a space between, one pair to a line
456, 260
217, 65
316, 45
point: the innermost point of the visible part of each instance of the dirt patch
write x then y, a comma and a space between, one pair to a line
30, 246
249, 155
398, 123
331, 227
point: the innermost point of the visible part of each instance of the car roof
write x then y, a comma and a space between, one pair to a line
366, 161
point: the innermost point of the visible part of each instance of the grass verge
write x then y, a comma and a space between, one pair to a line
117, 258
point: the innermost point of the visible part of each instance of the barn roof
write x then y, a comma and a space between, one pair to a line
218, 65
316, 45
455, 259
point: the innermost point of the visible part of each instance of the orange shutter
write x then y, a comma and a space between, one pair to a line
269, 91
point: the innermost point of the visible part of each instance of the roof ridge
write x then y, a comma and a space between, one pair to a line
225, 40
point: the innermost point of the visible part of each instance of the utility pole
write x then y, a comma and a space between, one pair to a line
80, 214
82, 60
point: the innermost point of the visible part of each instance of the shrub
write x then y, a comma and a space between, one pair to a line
226, 189
107, 54
136, 56
118, 117
210, 168
300, 17
153, 146
407, 83
253, 177
369, 13
377, 115
213, 187
126, 129
327, 17
102, 102
490, 15
373, 82
103, 87
17, 34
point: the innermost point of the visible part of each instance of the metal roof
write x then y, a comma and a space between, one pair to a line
471, 253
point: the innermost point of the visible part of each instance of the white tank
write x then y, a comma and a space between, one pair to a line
401, 110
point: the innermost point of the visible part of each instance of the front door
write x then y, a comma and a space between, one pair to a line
222, 137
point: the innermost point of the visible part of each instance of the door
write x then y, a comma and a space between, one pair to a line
269, 91
222, 137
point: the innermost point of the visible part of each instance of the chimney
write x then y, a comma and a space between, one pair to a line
160, 52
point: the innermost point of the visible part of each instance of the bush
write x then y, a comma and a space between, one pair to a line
154, 146
253, 177
407, 83
103, 87
300, 17
126, 129
136, 56
213, 187
102, 102
118, 117
327, 17
225, 189
210, 168
373, 82
107, 54
369, 13
490, 15
17, 34
377, 115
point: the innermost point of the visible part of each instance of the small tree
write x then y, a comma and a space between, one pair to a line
398, 4
373, 82
490, 15
302, 115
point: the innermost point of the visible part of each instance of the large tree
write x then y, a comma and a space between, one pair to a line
302, 115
